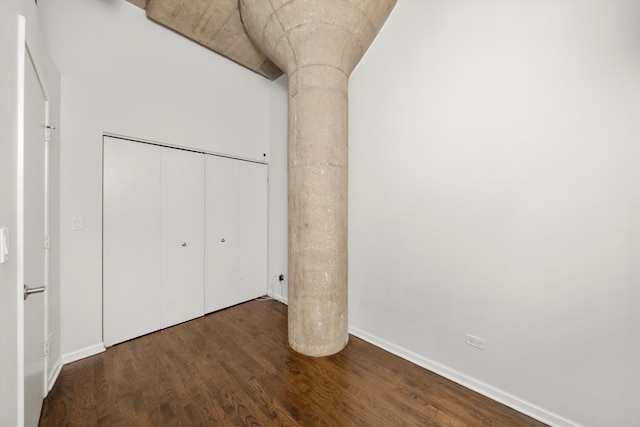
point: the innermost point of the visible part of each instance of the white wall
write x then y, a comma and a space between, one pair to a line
125, 75
10, 297
493, 183
278, 214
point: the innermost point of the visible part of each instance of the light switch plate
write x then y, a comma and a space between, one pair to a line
77, 223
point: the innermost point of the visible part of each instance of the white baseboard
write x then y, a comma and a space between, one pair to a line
53, 374
277, 297
82, 353
487, 390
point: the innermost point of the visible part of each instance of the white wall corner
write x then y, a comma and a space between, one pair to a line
277, 289
54, 373
278, 297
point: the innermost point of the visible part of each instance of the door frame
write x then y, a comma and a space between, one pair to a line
27, 50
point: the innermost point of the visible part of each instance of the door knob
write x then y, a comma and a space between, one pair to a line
222, 240
28, 291
184, 243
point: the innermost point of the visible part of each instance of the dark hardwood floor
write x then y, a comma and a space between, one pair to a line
234, 368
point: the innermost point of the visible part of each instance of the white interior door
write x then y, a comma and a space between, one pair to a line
131, 240
236, 232
33, 234
182, 231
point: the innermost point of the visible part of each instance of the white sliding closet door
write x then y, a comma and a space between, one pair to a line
131, 240
184, 234
153, 238
236, 232
182, 218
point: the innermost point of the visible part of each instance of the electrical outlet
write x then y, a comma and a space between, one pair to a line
475, 341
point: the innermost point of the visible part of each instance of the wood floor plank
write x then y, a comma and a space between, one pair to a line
234, 368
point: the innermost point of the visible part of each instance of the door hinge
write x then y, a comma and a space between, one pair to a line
47, 241
47, 344
47, 132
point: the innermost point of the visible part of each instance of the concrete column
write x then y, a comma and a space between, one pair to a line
318, 155
317, 43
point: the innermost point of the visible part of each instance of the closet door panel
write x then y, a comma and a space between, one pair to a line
131, 240
253, 208
236, 232
182, 231
221, 230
